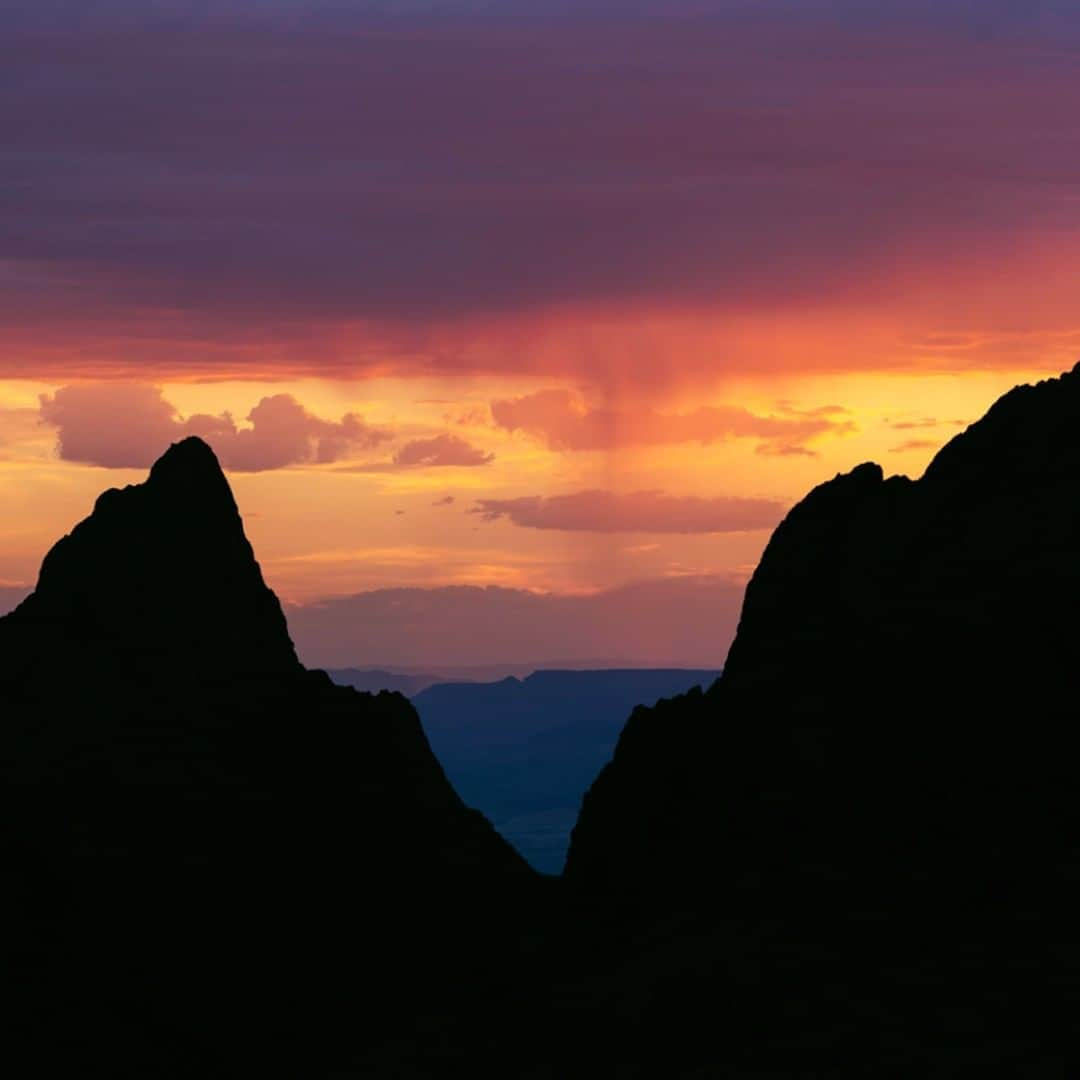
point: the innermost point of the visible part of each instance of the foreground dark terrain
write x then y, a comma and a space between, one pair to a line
854, 854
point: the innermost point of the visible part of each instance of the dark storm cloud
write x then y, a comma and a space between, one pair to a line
171, 173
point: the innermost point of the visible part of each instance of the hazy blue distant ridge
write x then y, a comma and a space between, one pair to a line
525, 750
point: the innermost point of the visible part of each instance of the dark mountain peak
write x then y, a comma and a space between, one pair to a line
1026, 436
1027, 433
897, 683
191, 453
161, 573
186, 480
193, 824
863, 476
189, 469
838, 496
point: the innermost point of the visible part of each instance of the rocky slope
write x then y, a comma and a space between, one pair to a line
875, 813
901, 696
205, 841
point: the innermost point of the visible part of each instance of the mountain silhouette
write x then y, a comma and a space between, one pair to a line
892, 636
878, 796
159, 578
373, 680
204, 841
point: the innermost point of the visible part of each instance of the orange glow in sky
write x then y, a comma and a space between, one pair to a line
361, 522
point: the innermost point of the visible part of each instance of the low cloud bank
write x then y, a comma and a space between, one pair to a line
677, 622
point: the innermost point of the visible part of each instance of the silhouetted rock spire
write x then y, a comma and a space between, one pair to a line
207, 835
162, 575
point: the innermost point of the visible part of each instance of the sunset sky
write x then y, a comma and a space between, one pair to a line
559, 297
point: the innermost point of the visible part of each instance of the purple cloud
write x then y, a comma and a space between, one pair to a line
128, 425
441, 450
198, 179
640, 511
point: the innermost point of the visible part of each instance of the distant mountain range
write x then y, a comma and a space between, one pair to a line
372, 680
411, 681
524, 751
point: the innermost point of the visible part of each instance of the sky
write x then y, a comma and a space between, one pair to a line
556, 304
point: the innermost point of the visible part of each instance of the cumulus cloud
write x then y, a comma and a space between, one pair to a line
561, 420
640, 511
129, 425
441, 450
